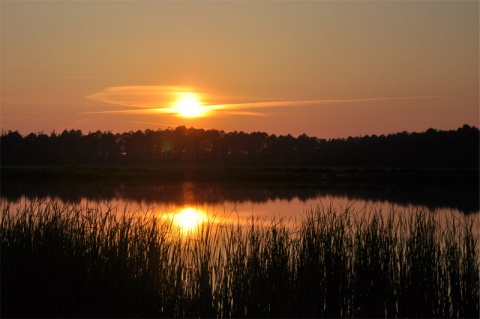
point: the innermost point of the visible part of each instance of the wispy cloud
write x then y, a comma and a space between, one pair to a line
160, 99
140, 96
157, 124
251, 105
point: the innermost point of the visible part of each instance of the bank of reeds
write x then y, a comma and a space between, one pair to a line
79, 261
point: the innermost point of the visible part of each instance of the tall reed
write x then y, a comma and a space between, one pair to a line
94, 261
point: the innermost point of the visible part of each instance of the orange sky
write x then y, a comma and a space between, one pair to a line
324, 68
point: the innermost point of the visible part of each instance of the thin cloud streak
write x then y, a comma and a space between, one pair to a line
267, 104
172, 111
157, 124
148, 100
135, 111
141, 96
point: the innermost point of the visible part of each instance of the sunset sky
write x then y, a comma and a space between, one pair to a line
325, 68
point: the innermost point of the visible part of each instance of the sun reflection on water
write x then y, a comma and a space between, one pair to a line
188, 218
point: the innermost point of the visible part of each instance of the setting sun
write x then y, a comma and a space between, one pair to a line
189, 105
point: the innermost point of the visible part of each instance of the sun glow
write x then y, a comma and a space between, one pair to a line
189, 105
189, 218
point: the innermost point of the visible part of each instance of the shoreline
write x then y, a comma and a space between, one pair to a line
274, 176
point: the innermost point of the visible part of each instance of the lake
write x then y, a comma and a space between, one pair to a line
195, 201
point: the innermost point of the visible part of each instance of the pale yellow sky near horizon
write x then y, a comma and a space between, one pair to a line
324, 68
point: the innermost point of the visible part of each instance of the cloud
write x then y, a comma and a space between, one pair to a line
160, 99
147, 96
157, 124
251, 105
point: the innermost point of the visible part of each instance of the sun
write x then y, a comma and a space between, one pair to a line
189, 105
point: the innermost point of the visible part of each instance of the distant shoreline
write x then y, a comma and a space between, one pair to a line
275, 176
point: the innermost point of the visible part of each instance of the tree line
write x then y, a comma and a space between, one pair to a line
198, 147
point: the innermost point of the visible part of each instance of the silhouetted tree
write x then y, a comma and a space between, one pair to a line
188, 146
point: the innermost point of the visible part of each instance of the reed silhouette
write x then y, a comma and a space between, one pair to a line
82, 261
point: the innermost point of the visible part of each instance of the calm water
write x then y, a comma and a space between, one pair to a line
191, 203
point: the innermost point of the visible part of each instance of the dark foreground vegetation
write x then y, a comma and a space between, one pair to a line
213, 148
77, 261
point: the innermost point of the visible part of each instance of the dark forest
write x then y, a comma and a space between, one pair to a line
216, 148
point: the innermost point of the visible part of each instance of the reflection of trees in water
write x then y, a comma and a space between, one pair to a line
465, 200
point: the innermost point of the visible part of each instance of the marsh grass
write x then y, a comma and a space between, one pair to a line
80, 261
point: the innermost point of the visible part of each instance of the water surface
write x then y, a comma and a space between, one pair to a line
200, 201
